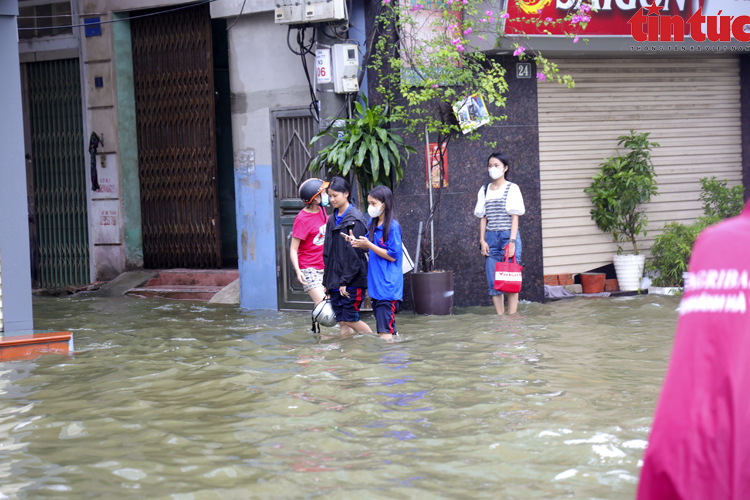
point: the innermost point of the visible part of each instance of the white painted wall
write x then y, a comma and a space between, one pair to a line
264, 75
106, 233
231, 8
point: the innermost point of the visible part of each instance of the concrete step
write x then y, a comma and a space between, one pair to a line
186, 284
178, 292
194, 277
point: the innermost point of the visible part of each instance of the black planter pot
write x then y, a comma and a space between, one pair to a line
432, 292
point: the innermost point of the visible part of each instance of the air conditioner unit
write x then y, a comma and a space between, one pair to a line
324, 11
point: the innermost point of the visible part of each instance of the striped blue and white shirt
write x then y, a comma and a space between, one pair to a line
498, 205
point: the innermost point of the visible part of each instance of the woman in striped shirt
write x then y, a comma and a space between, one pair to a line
498, 206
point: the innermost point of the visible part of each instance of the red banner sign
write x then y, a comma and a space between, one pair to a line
668, 20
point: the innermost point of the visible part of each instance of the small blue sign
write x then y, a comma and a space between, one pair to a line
98, 81
93, 26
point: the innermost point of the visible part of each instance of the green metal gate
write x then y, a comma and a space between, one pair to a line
58, 214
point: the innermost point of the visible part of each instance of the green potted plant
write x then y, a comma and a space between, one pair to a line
364, 146
619, 191
672, 249
670, 256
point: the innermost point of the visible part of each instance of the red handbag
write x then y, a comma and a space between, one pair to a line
508, 274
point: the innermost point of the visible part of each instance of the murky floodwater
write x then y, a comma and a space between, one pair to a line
181, 400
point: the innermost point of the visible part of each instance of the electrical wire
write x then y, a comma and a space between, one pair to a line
304, 50
238, 15
116, 20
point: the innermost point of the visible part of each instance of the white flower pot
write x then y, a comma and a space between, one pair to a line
629, 269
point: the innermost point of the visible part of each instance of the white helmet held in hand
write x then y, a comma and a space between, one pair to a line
323, 313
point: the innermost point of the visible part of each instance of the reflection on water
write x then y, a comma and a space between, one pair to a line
180, 400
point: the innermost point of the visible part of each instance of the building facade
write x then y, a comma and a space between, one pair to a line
187, 130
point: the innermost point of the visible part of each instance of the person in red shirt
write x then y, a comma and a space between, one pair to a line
308, 236
699, 446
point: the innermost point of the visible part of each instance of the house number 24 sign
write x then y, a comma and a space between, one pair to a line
523, 70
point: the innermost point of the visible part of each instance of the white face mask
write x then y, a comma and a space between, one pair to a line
375, 211
496, 172
324, 200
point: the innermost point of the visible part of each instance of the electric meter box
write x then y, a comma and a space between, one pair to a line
345, 68
288, 14
320, 12
298, 12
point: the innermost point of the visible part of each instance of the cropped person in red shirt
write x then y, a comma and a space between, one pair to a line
308, 235
699, 448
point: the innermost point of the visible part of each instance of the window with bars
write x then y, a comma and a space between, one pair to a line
38, 18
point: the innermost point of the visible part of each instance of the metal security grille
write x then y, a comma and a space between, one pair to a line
59, 173
174, 101
293, 136
293, 130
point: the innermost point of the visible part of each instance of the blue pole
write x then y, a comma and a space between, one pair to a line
15, 265
256, 232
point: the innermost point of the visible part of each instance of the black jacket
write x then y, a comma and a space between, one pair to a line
344, 264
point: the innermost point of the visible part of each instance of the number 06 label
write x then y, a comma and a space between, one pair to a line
323, 65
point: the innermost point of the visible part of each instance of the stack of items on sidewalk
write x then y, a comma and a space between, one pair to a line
560, 286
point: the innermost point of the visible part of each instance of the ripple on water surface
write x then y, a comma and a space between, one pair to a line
194, 401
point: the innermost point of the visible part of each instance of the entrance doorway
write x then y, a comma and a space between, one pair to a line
173, 77
292, 131
56, 173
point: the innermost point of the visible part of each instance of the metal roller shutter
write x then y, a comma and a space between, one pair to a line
690, 106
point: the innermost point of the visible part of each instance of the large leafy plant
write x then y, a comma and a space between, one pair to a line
622, 186
671, 253
672, 249
365, 146
719, 201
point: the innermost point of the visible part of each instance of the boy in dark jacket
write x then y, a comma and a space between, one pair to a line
345, 273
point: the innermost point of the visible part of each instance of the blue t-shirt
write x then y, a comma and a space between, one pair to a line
385, 279
339, 218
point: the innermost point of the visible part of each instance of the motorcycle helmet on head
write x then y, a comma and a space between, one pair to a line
310, 189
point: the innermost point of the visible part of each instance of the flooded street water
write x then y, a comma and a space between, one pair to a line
184, 400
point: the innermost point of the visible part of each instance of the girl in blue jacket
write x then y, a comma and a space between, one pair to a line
385, 279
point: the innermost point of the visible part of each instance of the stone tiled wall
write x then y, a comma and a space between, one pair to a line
457, 232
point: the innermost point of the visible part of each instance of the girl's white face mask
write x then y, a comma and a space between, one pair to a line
496, 172
375, 211
324, 199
